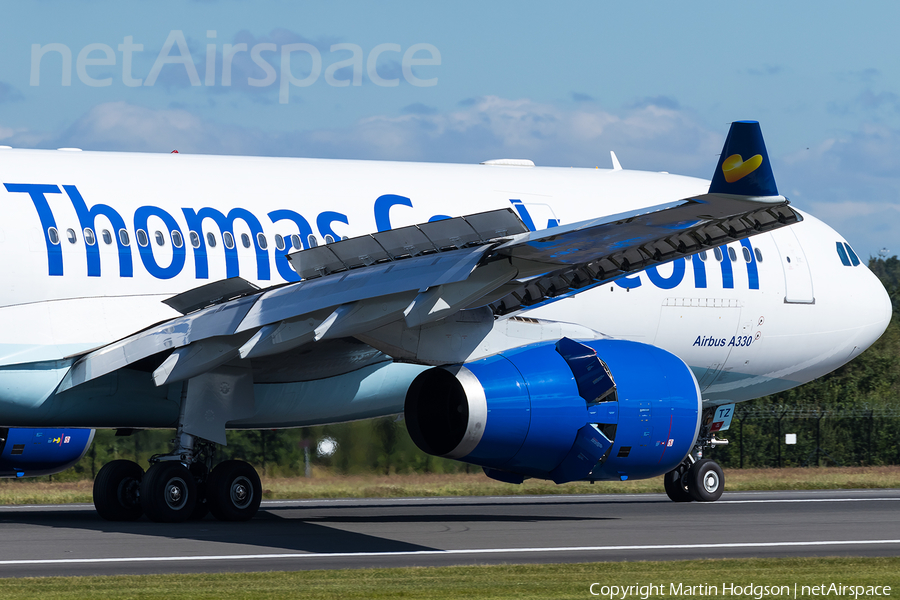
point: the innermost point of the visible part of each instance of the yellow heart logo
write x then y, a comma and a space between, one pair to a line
734, 167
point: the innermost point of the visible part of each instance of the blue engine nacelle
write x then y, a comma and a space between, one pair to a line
557, 411
35, 452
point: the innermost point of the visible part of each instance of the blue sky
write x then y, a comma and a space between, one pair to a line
468, 81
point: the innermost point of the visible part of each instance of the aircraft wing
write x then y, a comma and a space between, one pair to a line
424, 273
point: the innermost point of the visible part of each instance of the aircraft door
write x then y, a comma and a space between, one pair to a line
707, 325
798, 286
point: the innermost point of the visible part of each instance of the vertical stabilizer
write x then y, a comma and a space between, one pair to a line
744, 168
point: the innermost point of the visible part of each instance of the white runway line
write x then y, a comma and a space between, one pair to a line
477, 551
778, 501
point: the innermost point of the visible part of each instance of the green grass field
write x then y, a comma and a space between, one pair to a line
485, 582
325, 485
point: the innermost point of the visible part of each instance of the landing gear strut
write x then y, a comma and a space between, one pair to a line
697, 478
178, 486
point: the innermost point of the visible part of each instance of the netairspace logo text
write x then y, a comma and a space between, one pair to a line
94, 60
751, 590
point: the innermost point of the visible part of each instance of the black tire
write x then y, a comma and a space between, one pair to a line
676, 486
168, 492
706, 481
233, 491
117, 491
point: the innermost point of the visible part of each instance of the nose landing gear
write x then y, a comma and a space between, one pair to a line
700, 480
697, 479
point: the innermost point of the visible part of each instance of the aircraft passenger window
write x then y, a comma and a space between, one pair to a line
853, 257
141, 237
107, 237
279, 242
295, 242
703, 256
758, 254
160, 238
261, 240
228, 240
329, 239
195, 239
845, 260
53, 235
732, 254
746, 253
311, 241
89, 236
123, 237
177, 240
211, 240
245, 240
70, 234
718, 252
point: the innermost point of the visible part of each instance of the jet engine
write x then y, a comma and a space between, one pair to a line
565, 411
34, 452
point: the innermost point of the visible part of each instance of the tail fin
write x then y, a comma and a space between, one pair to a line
744, 167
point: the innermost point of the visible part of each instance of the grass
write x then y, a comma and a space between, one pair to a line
485, 582
324, 485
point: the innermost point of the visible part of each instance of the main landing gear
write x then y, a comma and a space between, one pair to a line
697, 478
178, 487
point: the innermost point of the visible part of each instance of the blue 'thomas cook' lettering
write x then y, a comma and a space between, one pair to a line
699, 267
38, 197
225, 224
141, 217
88, 215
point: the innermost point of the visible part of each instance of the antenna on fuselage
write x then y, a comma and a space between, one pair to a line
617, 166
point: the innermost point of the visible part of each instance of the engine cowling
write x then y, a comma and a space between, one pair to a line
36, 452
598, 410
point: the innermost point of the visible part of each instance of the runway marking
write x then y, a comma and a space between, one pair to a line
522, 499
476, 551
805, 500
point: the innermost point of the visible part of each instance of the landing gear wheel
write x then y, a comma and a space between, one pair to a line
706, 481
117, 491
233, 491
168, 492
676, 488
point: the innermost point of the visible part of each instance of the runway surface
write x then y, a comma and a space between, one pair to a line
334, 534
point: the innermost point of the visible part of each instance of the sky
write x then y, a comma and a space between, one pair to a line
561, 84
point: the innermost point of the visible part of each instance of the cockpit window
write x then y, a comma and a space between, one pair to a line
853, 257
845, 260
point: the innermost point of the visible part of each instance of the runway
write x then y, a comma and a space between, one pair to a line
350, 533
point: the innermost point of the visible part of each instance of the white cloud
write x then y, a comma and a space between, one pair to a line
645, 137
127, 127
648, 137
851, 181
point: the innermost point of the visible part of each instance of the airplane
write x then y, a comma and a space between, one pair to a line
553, 323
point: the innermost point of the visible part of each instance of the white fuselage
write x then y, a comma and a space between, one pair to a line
746, 328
